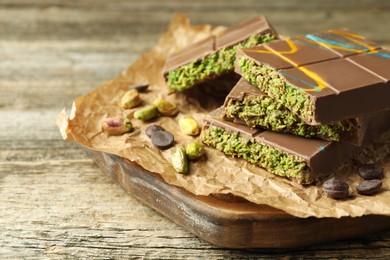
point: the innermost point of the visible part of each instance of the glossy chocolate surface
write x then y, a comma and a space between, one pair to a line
300, 51
343, 42
344, 74
377, 63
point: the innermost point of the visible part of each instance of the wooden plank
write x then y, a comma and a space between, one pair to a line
58, 207
29, 124
69, 208
230, 222
118, 19
44, 74
34, 150
54, 203
219, 5
33, 45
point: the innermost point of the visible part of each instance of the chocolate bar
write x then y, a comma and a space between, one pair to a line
215, 55
323, 78
301, 159
248, 104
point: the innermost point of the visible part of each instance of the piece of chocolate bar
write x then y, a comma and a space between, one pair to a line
255, 108
323, 78
215, 55
301, 159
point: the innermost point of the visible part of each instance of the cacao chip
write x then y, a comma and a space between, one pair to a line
162, 139
336, 189
139, 87
369, 187
370, 171
151, 130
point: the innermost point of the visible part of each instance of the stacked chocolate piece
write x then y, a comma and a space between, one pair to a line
304, 105
214, 56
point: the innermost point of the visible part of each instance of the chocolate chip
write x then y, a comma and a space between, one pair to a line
370, 171
151, 130
162, 139
139, 87
369, 187
336, 189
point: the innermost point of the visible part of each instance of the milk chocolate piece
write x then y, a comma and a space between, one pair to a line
248, 104
215, 55
324, 77
301, 159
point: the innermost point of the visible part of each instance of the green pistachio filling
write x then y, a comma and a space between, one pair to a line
276, 86
262, 111
272, 159
211, 66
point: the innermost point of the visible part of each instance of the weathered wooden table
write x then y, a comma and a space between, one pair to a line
54, 202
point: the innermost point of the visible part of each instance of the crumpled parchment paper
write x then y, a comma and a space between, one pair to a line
217, 173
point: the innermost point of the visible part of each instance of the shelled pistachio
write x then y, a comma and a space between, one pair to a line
195, 150
116, 125
146, 113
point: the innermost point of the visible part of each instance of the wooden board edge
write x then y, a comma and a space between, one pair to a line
231, 223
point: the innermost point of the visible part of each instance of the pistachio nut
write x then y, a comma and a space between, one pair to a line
180, 160
146, 113
165, 107
194, 150
130, 99
189, 126
116, 125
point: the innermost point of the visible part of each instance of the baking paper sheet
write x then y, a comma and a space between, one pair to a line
216, 173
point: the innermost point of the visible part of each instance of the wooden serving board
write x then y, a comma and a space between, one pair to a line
228, 221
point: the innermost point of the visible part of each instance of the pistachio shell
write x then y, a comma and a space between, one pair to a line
130, 99
189, 126
165, 107
146, 113
180, 160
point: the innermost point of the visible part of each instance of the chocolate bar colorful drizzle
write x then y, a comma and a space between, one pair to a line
255, 108
215, 55
297, 158
324, 77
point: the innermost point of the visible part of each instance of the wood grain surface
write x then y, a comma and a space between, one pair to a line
54, 202
228, 221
